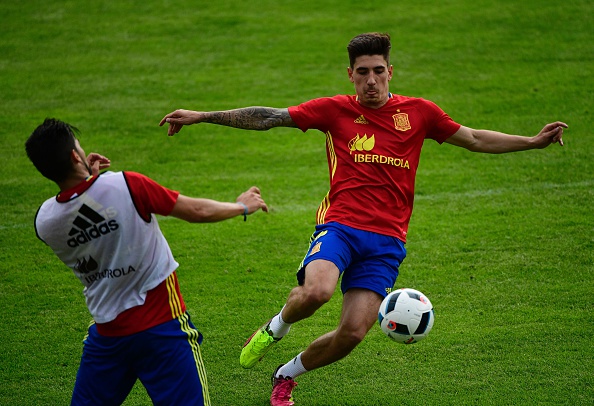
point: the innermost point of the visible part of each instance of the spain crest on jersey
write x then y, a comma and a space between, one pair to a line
401, 122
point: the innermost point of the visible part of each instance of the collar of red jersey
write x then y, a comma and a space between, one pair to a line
77, 190
389, 96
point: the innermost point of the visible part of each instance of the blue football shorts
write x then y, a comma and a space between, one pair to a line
365, 259
165, 358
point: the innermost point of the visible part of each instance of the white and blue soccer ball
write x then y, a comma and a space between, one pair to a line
406, 316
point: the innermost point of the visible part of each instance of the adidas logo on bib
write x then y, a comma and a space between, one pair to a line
89, 225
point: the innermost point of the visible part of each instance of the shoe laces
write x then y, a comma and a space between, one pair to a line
263, 341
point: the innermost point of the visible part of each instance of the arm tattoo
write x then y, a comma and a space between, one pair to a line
252, 118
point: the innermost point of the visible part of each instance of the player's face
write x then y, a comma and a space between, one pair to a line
371, 75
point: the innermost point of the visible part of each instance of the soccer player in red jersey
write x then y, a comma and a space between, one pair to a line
103, 227
373, 144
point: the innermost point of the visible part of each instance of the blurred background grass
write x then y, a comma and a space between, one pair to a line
501, 244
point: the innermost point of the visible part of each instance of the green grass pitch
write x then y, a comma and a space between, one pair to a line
502, 245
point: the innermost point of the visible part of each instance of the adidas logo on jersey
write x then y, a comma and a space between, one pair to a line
89, 225
361, 120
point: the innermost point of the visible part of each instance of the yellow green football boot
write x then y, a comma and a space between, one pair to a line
257, 346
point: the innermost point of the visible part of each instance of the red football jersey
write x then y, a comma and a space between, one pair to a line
373, 155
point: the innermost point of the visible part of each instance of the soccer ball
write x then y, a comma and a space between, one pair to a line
406, 316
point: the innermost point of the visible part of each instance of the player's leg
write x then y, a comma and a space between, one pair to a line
104, 377
303, 301
359, 314
327, 256
172, 369
321, 277
364, 284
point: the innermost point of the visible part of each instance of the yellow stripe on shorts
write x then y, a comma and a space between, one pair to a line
193, 336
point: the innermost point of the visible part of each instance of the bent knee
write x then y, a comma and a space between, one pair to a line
350, 338
318, 295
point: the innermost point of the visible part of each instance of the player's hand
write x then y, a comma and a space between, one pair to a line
550, 134
178, 119
97, 162
253, 200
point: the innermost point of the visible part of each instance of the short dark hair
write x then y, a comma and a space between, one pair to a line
371, 43
49, 148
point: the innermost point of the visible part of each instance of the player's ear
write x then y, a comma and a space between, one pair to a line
75, 157
390, 72
350, 72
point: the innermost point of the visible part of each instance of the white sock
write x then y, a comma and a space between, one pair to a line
278, 326
292, 369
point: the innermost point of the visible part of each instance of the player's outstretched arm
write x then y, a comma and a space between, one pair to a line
495, 142
199, 210
247, 118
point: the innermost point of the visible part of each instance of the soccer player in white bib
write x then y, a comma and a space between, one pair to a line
103, 227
